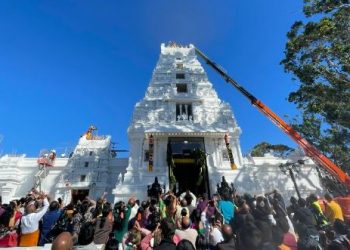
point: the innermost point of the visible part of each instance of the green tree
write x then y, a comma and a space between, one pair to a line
318, 54
278, 150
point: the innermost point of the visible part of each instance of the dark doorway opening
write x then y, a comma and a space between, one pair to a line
79, 195
184, 155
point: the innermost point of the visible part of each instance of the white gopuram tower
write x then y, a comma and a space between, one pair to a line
180, 107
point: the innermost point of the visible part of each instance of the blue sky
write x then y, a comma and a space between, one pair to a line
67, 64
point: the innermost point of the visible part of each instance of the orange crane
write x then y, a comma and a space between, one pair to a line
309, 149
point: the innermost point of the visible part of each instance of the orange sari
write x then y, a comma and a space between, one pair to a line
29, 240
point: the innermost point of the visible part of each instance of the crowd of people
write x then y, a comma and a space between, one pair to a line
167, 221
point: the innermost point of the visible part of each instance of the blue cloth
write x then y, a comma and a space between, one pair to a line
48, 221
227, 209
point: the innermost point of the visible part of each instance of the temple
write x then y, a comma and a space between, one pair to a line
181, 133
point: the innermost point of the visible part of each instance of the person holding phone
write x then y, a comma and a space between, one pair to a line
30, 222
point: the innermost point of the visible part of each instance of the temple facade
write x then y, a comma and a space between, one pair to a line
180, 108
181, 132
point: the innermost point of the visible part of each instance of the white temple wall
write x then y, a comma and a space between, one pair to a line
102, 171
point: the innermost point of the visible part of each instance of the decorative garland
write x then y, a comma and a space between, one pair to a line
200, 159
229, 151
150, 153
171, 165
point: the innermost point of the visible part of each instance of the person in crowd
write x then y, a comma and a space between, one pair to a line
16, 204
48, 221
250, 237
196, 221
186, 232
229, 241
151, 234
341, 236
121, 219
112, 243
277, 200
86, 237
292, 207
332, 209
184, 209
277, 238
266, 233
316, 209
305, 225
243, 215
288, 239
303, 215
29, 223
165, 221
250, 200
8, 226
103, 225
143, 213
280, 210
132, 240
209, 233
167, 229
63, 241
215, 232
172, 209
189, 197
202, 204
134, 207
263, 211
185, 245
227, 208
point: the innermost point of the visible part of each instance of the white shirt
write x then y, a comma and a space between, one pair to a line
188, 234
133, 212
30, 222
215, 236
194, 198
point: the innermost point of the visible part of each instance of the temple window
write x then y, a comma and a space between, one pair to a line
179, 66
90, 153
82, 178
86, 164
184, 112
181, 88
180, 76
225, 155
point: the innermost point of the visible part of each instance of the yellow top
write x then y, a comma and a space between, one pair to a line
333, 211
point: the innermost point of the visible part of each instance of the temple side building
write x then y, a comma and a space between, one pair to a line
181, 132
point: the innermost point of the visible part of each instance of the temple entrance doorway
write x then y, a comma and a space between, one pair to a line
79, 195
187, 164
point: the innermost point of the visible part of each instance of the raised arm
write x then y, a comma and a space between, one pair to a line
38, 215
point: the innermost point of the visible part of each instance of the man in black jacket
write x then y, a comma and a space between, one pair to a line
305, 225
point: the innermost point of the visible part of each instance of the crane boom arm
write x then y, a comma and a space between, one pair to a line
309, 149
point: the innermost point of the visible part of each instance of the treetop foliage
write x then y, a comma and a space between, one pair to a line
278, 150
318, 55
